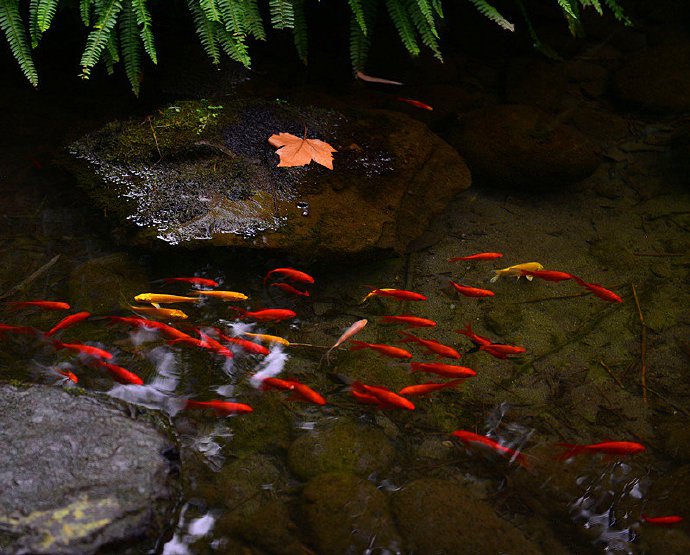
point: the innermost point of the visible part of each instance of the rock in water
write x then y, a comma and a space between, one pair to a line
78, 472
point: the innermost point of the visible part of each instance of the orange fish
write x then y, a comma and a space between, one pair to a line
202, 282
45, 305
470, 438
501, 350
222, 295
221, 407
69, 375
608, 448
386, 398
431, 344
661, 520
159, 298
410, 321
291, 274
348, 333
473, 337
277, 383
169, 331
428, 387
268, 338
290, 289
120, 374
159, 312
210, 344
547, 275
471, 291
83, 349
400, 294
68, 321
446, 370
415, 103
246, 345
269, 314
6, 328
600, 291
302, 391
478, 256
386, 350
365, 398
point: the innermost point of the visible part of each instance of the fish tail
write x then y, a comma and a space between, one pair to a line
571, 451
498, 275
357, 345
240, 311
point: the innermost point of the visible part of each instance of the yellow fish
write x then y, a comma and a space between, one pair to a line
173, 313
268, 338
223, 295
516, 270
163, 299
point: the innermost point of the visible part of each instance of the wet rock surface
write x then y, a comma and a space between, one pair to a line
79, 473
198, 174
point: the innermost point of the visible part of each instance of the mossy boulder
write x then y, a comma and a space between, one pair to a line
196, 174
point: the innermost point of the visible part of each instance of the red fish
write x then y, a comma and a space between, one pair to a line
501, 350
478, 256
165, 329
269, 314
470, 438
45, 305
415, 103
68, 321
386, 350
201, 282
400, 294
661, 520
246, 345
386, 398
302, 391
547, 275
471, 291
210, 344
69, 375
277, 383
600, 291
428, 387
608, 448
433, 346
291, 274
445, 370
365, 398
120, 374
290, 289
83, 349
221, 407
7, 328
410, 321
473, 337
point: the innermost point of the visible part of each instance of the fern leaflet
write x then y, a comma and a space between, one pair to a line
34, 30
130, 44
402, 23
427, 32
233, 45
252, 18
618, 13
358, 13
205, 31
99, 38
299, 32
143, 19
493, 14
13, 27
45, 13
85, 11
282, 14
210, 8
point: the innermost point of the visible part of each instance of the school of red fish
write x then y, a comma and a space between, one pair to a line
294, 282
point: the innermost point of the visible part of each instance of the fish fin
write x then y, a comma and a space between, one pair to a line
493, 279
155, 305
571, 451
528, 277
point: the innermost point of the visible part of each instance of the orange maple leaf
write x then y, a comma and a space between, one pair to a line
300, 151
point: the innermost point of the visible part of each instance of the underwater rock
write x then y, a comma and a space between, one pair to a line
346, 514
444, 517
78, 472
345, 447
521, 146
197, 174
536, 82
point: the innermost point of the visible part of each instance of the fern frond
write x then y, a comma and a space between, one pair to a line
205, 30
359, 41
130, 44
85, 11
403, 25
143, 18
299, 32
45, 13
233, 45
567, 8
424, 8
617, 10
427, 32
13, 27
493, 14
99, 38
34, 31
438, 8
252, 18
210, 8
358, 13
282, 14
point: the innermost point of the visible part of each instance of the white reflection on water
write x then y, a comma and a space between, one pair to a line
271, 366
188, 531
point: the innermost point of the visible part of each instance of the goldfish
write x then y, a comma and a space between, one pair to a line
365, 398
163, 299
269, 314
68, 321
291, 274
202, 282
246, 345
501, 350
348, 333
547, 275
400, 294
661, 520
446, 370
410, 321
431, 344
428, 387
387, 350
172, 313
221, 407
210, 344
415, 103
268, 338
385, 397
471, 291
121, 374
290, 289
222, 295
476, 339
45, 305
600, 291
516, 270
7, 328
169, 331
67, 374
83, 349
302, 391
277, 383
470, 438
607, 448
477, 256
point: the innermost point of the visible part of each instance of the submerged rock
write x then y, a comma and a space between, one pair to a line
196, 174
78, 473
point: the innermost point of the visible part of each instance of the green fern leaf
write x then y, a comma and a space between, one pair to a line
358, 13
205, 30
424, 8
210, 8
359, 45
13, 27
34, 31
493, 14
403, 25
282, 14
253, 22
427, 32
438, 8
131, 46
143, 18
233, 45
45, 13
100, 37
567, 8
299, 32
85, 11
617, 10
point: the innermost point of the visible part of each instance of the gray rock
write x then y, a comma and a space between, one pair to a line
78, 472
197, 175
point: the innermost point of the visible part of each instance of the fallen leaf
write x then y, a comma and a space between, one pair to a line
300, 151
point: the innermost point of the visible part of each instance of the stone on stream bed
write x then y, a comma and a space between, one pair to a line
196, 174
78, 473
